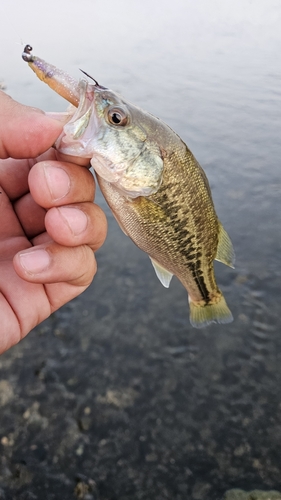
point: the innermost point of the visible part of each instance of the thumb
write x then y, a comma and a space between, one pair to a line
25, 132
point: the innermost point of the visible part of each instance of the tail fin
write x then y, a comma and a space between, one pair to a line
203, 315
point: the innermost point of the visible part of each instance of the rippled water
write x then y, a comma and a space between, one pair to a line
207, 404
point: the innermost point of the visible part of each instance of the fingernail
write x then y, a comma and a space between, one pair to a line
58, 181
35, 261
76, 219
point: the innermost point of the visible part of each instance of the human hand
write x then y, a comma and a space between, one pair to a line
49, 226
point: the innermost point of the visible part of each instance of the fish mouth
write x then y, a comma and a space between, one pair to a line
83, 125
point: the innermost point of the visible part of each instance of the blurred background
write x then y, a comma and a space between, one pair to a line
116, 396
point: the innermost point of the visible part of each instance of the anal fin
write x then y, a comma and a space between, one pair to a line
162, 274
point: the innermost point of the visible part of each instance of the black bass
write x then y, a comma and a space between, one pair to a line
154, 186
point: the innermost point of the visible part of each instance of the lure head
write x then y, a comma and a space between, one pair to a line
117, 137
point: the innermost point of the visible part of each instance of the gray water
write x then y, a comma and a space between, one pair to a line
202, 413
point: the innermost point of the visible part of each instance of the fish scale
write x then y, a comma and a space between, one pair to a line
185, 249
153, 184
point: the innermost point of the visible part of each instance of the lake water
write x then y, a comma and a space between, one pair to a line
116, 391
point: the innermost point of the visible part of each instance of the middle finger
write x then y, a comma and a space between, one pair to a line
74, 225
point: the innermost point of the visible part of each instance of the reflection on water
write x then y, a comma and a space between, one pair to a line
204, 410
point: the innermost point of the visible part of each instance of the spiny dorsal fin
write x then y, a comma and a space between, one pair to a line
225, 252
162, 274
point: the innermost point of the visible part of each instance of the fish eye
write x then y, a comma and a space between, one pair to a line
117, 116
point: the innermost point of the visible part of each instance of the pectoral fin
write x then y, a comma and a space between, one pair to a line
162, 274
225, 252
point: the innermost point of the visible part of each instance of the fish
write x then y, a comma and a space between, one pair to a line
153, 184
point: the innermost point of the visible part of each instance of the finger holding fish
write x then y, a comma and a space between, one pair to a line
52, 184
77, 224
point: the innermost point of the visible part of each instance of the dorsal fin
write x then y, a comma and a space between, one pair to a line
225, 252
162, 274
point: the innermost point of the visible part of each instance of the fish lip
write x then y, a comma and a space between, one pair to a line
82, 125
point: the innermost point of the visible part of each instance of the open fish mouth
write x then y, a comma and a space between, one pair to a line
83, 125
